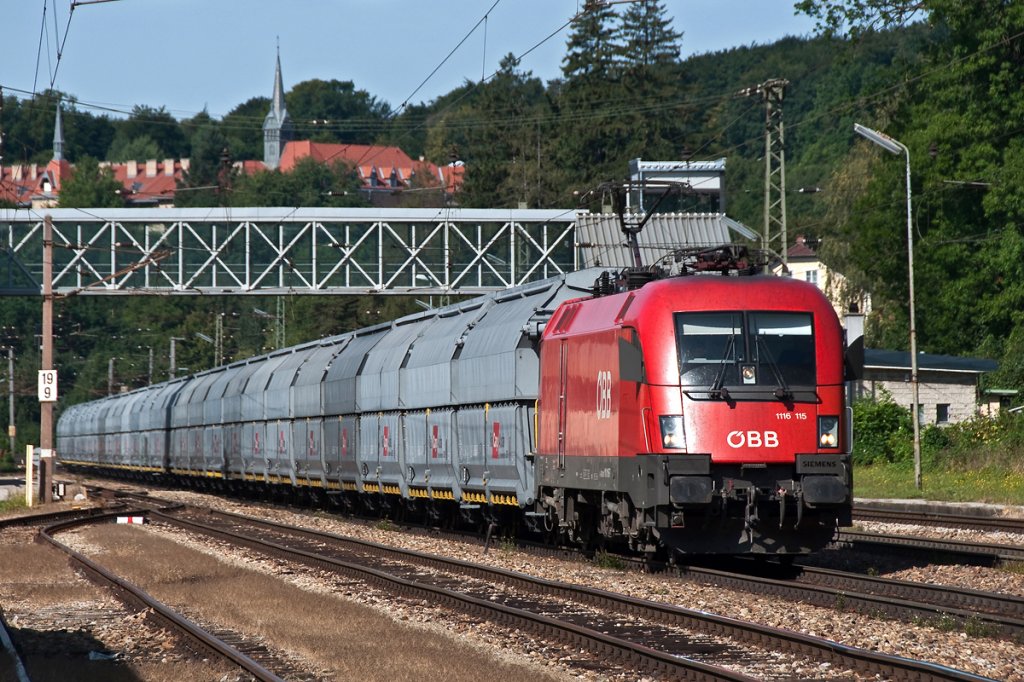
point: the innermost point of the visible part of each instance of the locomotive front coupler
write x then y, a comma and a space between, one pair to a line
782, 507
750, 517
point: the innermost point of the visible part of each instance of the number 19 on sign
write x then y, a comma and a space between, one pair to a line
47, 385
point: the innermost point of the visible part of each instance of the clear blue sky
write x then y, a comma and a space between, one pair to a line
187, 55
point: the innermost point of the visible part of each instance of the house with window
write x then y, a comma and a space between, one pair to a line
803, 263
384, 172
948, 386
150, 183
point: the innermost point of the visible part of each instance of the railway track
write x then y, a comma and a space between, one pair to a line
982, 613
47, 518
194, 637
668, 640
983, 553
932, 518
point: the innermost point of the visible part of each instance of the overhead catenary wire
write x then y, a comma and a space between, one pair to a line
63, 41
483, 80
39, 48
483, 20
412, 126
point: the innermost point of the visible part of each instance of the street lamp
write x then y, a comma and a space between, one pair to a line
895, 147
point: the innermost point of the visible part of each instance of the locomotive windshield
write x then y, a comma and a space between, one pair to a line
745, 349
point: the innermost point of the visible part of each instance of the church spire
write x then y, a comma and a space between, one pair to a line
58, 136
277, 127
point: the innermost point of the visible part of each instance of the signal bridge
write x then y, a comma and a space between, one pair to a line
272, 251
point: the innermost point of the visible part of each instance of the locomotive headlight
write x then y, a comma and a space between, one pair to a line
828, 432
672, 435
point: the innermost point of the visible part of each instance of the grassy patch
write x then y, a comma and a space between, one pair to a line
604, 559
991, 484
1016, 567
15, 503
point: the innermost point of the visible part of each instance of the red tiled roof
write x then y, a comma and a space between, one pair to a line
800, 249
59, 171
150, 182
17, 184
251, 166
352, 154
375, 164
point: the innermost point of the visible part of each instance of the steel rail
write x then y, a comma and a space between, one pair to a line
894, 599
52, 517
893, 667
543, 626
1009, 607
932, 518
978, 550
137, 598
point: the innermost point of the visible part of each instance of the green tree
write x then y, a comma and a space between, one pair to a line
335, 111
958, 121
136, 149
310, 184
647, 40
28, 127
503, 128
210, 175
648, 56
855, 17
243, 128
159, 126
591, 49
590, 101
91, 186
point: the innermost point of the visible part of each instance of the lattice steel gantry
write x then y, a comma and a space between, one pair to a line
270, 251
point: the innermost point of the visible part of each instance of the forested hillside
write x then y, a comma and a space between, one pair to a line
942, 77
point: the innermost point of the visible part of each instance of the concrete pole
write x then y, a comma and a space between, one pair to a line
10, 399
914, 381
173, 364
46, 407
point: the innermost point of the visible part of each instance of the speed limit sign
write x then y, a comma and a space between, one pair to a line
47, 385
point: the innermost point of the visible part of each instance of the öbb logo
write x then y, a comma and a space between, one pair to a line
604, 394
753, 439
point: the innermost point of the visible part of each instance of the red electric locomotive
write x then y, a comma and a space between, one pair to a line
705, 414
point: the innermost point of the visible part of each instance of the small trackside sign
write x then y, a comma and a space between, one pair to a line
47, 385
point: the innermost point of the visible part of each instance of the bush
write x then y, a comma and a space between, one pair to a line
882, 431
983, 442
7, 463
